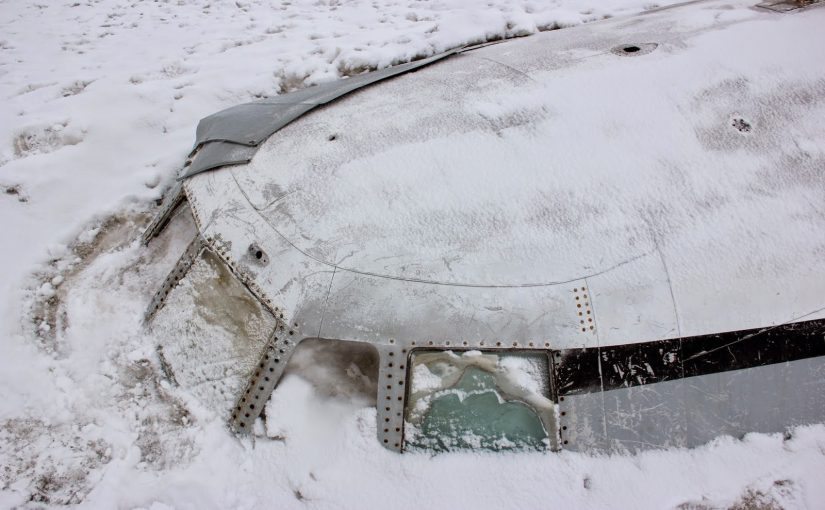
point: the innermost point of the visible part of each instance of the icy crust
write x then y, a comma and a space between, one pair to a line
501, 392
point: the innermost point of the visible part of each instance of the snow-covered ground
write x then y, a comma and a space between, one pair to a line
100, 101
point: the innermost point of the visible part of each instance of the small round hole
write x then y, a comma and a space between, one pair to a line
631, 49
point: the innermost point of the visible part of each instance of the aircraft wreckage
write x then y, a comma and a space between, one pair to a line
608, 237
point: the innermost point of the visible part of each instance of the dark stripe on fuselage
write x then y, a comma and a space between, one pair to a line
622, 366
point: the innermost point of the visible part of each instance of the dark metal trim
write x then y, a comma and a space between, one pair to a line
581, 371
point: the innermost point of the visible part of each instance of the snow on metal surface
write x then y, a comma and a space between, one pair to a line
467, 205
476, 172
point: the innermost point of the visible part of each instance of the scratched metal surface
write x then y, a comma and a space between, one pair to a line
690, 412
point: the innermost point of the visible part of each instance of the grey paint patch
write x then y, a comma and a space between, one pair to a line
217, 154
690, 412
231, 136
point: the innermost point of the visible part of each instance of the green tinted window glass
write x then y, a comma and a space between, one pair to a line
474, 400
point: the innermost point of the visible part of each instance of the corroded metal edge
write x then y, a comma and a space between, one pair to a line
178, 272
173, 198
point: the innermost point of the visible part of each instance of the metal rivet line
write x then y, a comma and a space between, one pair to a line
178, 272
265, 376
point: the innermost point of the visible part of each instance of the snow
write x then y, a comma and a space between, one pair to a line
100, 101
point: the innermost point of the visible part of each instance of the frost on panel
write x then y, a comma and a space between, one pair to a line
474, 400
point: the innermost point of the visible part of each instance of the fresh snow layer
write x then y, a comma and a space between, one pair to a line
100, 101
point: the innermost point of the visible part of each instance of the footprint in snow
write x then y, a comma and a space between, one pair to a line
43, 140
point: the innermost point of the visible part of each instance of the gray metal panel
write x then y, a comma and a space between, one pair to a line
248, 124
763, 399
231, 136
217, 154
690, 412
582, 423
644, 417
252, 123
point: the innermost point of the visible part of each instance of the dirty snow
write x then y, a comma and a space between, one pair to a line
100, 101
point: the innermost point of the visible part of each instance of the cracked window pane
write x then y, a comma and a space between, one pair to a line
475, 400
